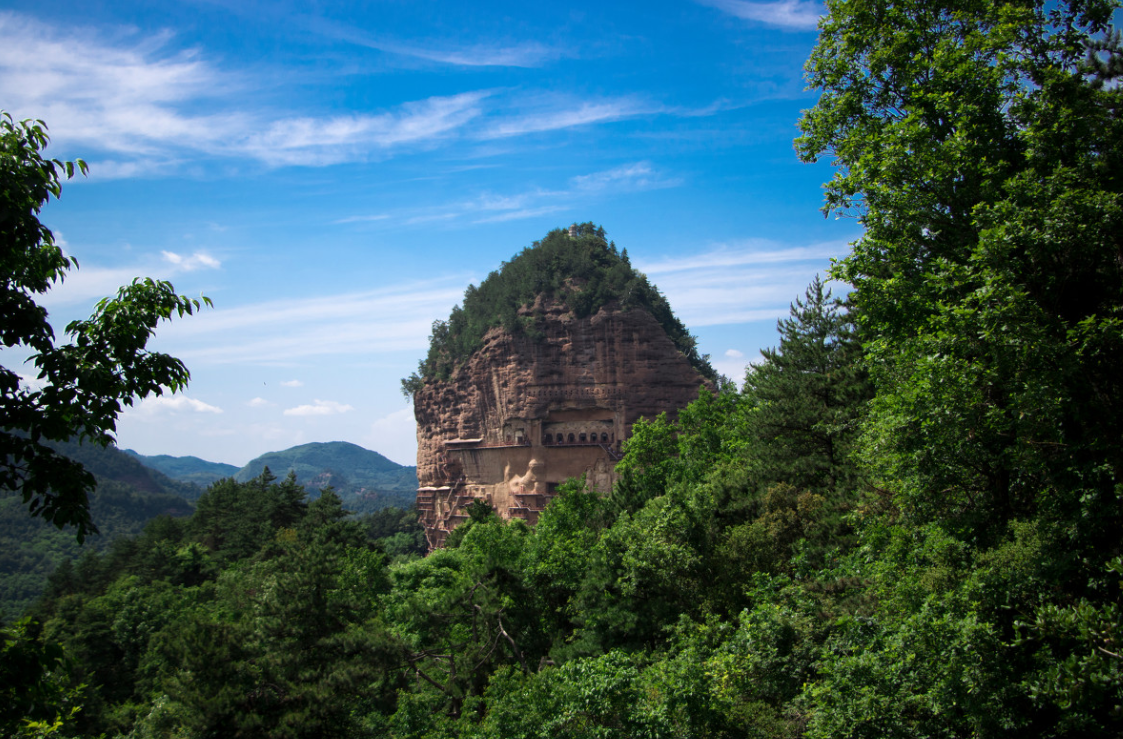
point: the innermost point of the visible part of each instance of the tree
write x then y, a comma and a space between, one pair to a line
810, 395
82, 385
981, 148
985, 160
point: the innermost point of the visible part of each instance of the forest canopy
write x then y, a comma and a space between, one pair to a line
584, 271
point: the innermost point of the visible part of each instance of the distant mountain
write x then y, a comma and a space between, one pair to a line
365, 480
188, 469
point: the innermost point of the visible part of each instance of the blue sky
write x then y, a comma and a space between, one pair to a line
333, 176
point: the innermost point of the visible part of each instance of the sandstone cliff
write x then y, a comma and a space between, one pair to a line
523, 414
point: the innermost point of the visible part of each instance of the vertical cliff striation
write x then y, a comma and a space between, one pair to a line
549, 396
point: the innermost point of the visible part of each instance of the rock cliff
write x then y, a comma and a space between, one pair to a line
523, 414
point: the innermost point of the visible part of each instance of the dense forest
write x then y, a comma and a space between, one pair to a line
582, 270
906, 522
128, 496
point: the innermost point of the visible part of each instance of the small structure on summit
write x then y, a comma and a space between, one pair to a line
539, 376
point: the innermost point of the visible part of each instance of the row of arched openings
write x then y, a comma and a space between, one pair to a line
580, 438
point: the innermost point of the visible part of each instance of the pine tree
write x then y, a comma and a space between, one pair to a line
810, 394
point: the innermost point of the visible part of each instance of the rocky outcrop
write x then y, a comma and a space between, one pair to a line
523, 414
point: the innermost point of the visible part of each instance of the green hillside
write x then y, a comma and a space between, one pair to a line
186, 469
365, 479
128, 496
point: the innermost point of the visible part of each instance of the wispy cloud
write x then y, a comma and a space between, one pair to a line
754, 280
286, 331
515, 215
134, 97
292, 383
794, 14
156, 405
119, 98
91, 282
362, 219
749, 252
146, 106
490, 207
198, 260
561, 113
258, 403
625, 178
494, 54
322, 141
319, 408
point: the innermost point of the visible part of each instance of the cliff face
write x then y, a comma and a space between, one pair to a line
522, 415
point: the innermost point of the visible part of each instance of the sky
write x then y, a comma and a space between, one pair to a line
333, 176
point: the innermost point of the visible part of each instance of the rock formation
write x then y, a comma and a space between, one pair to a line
523, 414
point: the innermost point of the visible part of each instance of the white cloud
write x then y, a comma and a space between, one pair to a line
566, 113
119, 98
496, 208
89, 282
258, 403
734, 368
198, 260
627, 177
514, 215
102, 170
132, 95
749, 252
319, 408
361, 219
30, 382
734, 353
525, 54
157, 405
323, 141
794, 14
292, 383
754, 280
283, 331
146, 107
520, 55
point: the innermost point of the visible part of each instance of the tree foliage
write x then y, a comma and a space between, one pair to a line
81, 385
585, 272
810, 395
980, 145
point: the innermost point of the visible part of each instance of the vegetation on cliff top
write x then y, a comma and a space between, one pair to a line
584, 271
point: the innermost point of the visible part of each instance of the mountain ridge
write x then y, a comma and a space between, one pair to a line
364, 478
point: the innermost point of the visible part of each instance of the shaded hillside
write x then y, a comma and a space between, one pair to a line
186, 469
112, 464
128, 496
365, 479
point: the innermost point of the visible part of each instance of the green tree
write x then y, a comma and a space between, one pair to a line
987, 169
33, 693
82, 385
810, 395
982, 150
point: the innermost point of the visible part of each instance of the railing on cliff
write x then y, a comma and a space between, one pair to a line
614, 455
